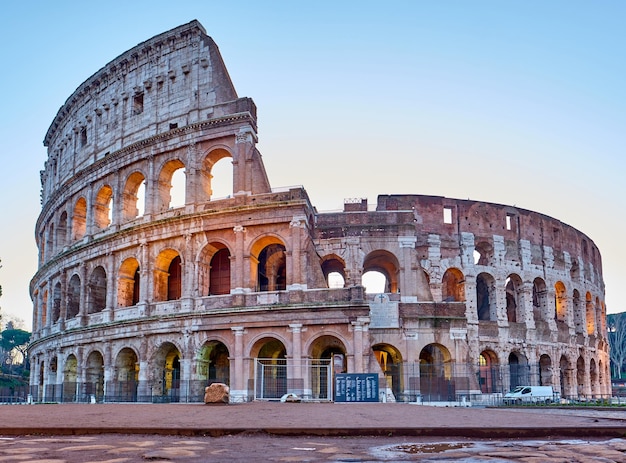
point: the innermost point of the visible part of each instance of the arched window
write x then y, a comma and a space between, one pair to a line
591, 315
217, 175
61, 231
333, 268
540, 298
73, 297
97, 290
219, 276
129, 283
514, 302
272, 268
560, 302
486, 297
453, 286
79, 219
103, 207
133, 204
171, 185
168, 276
174, 280
384, 264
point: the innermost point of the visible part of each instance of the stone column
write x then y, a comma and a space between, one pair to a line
242, 161
237, 261
408, 281
238, 389
295, 273
294, 371
360, 329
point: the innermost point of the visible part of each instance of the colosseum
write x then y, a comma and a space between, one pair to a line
150, 287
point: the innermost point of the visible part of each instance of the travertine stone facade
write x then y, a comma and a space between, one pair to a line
140, 298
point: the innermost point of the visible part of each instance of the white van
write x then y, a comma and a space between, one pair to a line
530, 394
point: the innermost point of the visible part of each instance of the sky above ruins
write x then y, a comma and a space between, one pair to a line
519, 103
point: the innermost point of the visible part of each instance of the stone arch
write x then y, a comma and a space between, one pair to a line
385, 263
269, 264
73, 297
436, 373
545, 370
128, 283
519, 373
214, 162
540, 299
70, 379
50, 247
166, 371
79, 219
165, 193
94, 375
133, 190
580, 376
56, 302
61, 231
453, 286
593, 379
103, 207
390, 360
483, 253
271, 379
334, 269
43, 311
97, 290
514, 298
213, 363
600, 316
590, 314
486, 305
123, 388
560, 302
168, 275
488, 371
331, 349
214, 276
565, 376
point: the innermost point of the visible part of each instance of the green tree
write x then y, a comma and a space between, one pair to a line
13, 339
616, 325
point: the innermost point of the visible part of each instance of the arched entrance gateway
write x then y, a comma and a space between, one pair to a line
327, 358
390, 361
436, 382
212, 366
270, 369
123, 386
166, 385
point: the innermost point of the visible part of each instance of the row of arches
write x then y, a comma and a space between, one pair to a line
514, 297
105, 205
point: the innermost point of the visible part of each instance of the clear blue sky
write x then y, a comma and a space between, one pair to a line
514, 102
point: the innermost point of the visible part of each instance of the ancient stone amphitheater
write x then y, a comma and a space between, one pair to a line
150, 288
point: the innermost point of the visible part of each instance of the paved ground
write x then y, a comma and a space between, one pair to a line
116, 433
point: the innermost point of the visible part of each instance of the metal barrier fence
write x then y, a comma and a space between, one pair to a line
310, 379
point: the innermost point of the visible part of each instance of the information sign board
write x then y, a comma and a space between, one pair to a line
356, 387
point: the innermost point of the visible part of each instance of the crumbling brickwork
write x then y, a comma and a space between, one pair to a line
138, 298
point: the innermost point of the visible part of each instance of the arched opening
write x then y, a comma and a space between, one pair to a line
94, 376
167, 366
390, 360
103, 207
219, 273
545, 370
374, 282
70, 379
56, 303
593, 379
518, 370
213, 364
483, 253
580, 377
50, 240
383, 263
134, 196
540, 298
79, 219
565, 376
486, 297
171, 185
168, 276
453, 286
436, 374
73, 297
560, 302
128, 283
124, 385
97, 290
272, 268
591, 315
43, 316
271, 369
217, 174
334, 272
61, 231
488, 372
514, 302
328, 357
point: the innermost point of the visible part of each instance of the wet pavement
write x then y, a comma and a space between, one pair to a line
277, 432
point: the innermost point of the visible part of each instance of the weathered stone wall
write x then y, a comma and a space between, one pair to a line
154, 301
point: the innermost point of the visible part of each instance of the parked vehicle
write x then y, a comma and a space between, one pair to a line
531, 394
